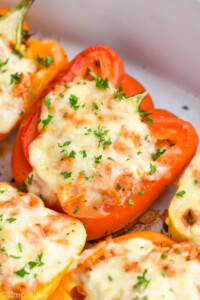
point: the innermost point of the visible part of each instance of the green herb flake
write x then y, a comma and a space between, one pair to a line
149, 121
185, 107
66, 174
65, 144
67, 85
61, 95
76, 209
119, 96
73, 102
130, 202
110, 278
141, 193
142, 281
47, 121
100, 82
11, 220
163, 256
110, 158
139, 152
146, 137
97, 159
2, 191
64, 152
30, 179
22, 272
32, 264
181, 193
72, 154
95, 105
15, 257
20, 247
17, 53
45, 61
22, 187
152, 169
84, 153
21, 113
158, 153
47, 102
15, 78
3, 63
96, 207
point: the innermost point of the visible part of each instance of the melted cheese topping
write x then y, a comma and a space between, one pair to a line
36, 243
137, 269
184, 210
11, 105
89, 141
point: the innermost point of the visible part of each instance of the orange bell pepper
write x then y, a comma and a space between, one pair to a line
180, 137
69, 288
49, 58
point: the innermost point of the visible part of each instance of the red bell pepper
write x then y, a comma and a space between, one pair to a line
180, 137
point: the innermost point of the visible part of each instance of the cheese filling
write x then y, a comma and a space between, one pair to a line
12, 67
137, 269
184, 210
90, 144
36, 243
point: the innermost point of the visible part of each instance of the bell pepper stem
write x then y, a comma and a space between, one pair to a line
11, 25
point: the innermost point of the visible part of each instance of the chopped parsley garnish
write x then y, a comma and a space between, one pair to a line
119, 96
65, 144
158, 153
84, 153
142, 281
185, 107
181, 193
89, 130
10, 220
2, 191
146, 137
152, 169
67, 85
96, 207
110, 158
73, 101
48, 102
15, 257
97, 159
110, 278
3, 63
21, 113
22, 187
195, 181
61, 95
130, 202
40, 262
64, 152
17, 53
30, 179
66, 174
141, 193
95, 105
72, 154
15, 78
149, 121
32, 264
100, 132
47, 121
76, 209
139, 152
20, 247
22, 272
163, 256
44, 61
100, 82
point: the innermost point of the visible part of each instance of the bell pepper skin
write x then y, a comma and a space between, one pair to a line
66, 289
166, 127
43, 75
